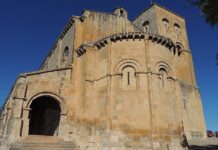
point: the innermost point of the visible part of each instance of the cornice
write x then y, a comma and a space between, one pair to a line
159, 39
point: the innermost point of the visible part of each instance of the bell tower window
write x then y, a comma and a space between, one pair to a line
165, 25
177, 29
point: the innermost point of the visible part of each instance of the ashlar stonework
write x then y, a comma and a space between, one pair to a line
109, 83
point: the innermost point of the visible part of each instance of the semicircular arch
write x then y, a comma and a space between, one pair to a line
162, 65
56, 97
127, 62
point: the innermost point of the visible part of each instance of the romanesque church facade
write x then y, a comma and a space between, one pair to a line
109, 83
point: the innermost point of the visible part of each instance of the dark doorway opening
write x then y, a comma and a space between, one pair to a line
44, 116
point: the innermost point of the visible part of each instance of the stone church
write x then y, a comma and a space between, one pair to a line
109, 83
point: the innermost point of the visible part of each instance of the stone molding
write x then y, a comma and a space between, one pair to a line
44, 71
159, 39
53, 95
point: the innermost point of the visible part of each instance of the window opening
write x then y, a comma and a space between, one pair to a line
128, 73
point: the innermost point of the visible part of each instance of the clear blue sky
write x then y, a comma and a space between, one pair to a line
28, 29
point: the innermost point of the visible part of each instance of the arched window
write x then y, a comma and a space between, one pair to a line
165, 24
177, 29
127, 70
179, 48
65, 57
121, 13
163, 72
128, 77
146, 26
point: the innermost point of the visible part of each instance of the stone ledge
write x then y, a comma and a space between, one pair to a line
159, 39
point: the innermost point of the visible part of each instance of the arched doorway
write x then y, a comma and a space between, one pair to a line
44, 116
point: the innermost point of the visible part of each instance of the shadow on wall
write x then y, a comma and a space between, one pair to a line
208, 147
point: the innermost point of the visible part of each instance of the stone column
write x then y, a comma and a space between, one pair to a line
25, 123
150, 92
15, 122
6, 123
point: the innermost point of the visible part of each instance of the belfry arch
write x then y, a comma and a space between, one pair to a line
45, 115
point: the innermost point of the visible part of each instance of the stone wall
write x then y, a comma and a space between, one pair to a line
121, 88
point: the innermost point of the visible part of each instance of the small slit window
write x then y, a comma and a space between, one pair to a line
65, 57
184, 103
128, 77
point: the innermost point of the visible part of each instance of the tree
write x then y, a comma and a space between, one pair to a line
209, 9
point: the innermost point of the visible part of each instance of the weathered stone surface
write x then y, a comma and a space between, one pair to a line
109, 83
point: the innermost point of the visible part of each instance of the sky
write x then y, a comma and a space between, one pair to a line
28, 29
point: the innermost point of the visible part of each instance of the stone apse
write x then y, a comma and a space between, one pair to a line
111, 83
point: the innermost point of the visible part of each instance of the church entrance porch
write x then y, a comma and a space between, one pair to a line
44, 117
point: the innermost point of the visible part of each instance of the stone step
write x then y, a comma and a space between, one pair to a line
46, 144
40, 146
39, 138
43, 143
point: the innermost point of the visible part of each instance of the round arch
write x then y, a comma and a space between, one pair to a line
163, 66
52, 95
45, 114
127, 62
